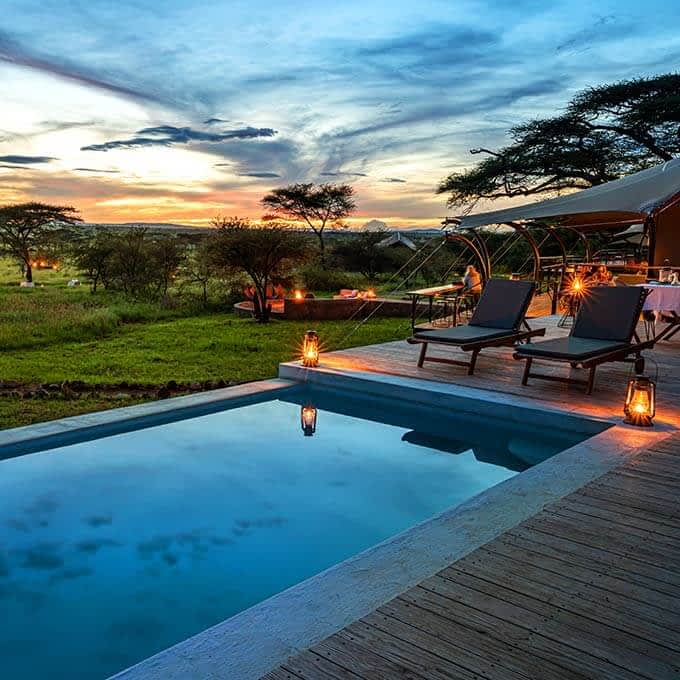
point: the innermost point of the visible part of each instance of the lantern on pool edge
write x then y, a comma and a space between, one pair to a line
310, 349
308, 420
640, 406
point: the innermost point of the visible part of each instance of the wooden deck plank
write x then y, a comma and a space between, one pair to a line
574, 595
622, 588
654, 577
584, 636
527, 638
459, 639
576, 507
417, 659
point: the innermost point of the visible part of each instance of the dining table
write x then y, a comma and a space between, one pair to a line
663, 301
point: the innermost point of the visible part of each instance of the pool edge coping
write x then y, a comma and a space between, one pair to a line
262, 637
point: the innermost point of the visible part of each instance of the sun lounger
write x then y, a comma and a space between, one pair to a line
496, 322
604, 331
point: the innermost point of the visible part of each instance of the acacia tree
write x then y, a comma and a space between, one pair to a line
27, 227
315, 205
604, 133
266, 254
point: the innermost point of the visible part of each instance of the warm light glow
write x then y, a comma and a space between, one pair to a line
640, 406
308, 416
310, 349
577, 285
298, 295
370, 293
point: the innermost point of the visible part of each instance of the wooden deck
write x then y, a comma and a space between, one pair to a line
587, 588
498, 372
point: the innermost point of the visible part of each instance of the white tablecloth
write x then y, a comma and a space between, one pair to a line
663, 299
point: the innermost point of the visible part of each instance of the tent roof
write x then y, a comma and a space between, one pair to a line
397, 238
623, 201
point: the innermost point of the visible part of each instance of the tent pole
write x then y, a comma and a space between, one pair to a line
650, 228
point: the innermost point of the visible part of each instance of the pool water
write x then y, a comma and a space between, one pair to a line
116, 548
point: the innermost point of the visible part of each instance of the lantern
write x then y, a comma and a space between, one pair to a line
370, 293
640, 406
308, 420
298, 295
577, 285
310, 349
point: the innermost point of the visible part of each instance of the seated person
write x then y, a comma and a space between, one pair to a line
472, 281
602, 276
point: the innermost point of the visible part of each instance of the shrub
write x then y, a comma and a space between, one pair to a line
316, 278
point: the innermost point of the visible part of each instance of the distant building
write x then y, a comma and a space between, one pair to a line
397, 240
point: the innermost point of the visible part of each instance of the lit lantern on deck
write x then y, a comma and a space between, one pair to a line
640, 406
298, 295
370, 293
310, 349
577, 285
308, 420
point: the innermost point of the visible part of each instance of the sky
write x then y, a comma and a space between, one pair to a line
177, 111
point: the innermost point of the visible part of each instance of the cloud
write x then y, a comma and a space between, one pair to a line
112, 172
262, 175
167, 135
343, 174
393, 180
13, 52
26, 160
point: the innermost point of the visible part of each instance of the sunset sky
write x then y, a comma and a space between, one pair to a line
175, 111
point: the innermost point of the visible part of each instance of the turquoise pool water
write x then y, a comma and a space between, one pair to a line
116, 548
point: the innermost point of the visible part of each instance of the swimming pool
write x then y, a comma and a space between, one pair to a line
115, 548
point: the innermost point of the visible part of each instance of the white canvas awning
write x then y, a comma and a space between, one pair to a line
623, 201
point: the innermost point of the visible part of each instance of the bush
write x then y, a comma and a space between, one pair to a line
316, 278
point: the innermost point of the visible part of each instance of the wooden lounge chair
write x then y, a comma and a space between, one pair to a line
604, 331
496, 322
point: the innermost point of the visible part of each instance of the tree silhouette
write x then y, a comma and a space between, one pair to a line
27, 227
604, 133
265, 254
315, 205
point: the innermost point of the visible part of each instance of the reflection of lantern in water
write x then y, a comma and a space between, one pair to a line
640, 405
310, 349
308, 420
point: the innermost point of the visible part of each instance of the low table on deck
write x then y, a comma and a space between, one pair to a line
436, 292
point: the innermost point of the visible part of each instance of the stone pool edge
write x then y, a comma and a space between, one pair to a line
54, 433
262, 637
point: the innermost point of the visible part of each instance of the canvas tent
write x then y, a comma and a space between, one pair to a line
651, 197
396, 239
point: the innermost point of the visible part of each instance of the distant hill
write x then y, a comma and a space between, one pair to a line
153, 226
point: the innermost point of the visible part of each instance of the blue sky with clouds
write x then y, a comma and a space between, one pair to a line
137, 110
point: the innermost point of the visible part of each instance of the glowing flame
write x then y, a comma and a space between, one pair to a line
298, 295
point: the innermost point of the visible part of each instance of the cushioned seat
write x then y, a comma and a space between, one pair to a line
570, 348
461, 334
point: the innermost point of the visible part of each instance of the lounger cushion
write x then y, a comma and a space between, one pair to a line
570, 348
503, 304
609, 313
461, 335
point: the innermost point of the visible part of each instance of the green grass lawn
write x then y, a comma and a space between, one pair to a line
53, 333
